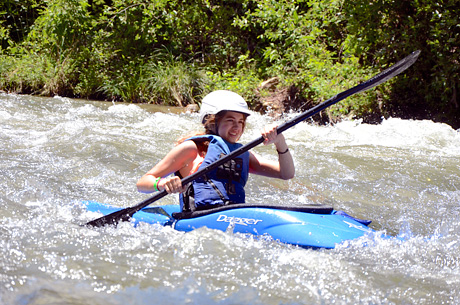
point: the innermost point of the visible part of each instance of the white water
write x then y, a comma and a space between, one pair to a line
54, 153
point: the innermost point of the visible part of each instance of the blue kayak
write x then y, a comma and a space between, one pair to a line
311, 226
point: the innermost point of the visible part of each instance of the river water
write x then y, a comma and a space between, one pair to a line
55, 152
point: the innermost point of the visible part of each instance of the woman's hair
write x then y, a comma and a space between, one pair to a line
209, 128
211, 122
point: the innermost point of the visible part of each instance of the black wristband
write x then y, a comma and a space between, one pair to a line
283, 152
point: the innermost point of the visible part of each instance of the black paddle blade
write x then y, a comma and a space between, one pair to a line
378, 79
111, 219
125, 214
391, 72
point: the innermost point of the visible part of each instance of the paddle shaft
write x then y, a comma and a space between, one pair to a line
394, 70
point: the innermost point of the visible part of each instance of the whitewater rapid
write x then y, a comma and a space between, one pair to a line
56, 152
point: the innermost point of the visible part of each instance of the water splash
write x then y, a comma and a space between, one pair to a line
57, 152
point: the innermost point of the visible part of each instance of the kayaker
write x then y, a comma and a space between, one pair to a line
223, 114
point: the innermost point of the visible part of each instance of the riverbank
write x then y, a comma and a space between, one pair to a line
172, 54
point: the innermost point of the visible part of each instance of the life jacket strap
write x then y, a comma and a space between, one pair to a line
188, 198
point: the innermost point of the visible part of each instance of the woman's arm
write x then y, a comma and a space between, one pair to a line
179, 157
284, 168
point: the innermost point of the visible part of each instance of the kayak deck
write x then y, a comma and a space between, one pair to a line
305, 226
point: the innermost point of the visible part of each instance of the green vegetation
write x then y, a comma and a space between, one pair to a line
173, 52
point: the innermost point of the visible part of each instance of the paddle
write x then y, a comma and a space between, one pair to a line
400, 66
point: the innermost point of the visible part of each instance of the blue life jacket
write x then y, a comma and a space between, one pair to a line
225, 184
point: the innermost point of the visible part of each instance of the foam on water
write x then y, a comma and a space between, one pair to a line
54, 153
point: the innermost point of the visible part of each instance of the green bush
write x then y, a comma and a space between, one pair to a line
384, 31
174, 82
16, 20
28, 74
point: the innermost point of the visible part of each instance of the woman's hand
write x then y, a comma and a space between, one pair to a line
270, 135
171, 184
284, 167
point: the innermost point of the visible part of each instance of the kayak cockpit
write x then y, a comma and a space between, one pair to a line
312, 209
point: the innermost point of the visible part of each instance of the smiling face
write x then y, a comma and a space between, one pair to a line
231, 126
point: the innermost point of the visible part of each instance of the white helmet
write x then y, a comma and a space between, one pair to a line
222, 100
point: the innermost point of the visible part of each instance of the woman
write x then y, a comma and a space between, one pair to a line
223, 114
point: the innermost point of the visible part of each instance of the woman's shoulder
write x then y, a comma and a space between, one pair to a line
201, 138
186, 146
